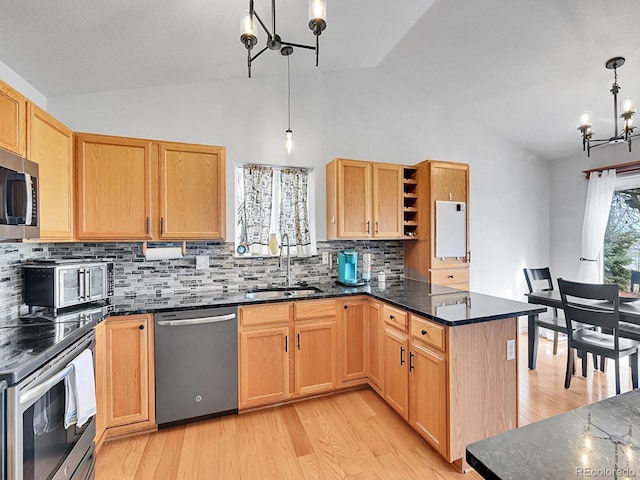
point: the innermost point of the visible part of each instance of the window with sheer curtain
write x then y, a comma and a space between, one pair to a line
271, 201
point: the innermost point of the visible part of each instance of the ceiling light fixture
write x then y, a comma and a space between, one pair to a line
288, 134
628, 110
317, 23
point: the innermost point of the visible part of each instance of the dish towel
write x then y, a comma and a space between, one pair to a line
80, 390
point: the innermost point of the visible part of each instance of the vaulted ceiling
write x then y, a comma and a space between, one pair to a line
525, 68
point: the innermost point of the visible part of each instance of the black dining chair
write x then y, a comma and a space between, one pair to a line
590, 306
539, 280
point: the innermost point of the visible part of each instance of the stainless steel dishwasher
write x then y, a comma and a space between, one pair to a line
196, 363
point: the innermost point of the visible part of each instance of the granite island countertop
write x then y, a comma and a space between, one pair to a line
444, 305
601, 440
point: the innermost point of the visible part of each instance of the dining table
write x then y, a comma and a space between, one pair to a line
629, 317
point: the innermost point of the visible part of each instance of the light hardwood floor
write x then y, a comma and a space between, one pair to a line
352, 435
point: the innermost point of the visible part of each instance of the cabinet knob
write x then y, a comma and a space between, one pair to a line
391, 317
345, 307
423, 332
450, 276
141, 327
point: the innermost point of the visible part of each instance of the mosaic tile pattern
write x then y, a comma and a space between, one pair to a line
133, 273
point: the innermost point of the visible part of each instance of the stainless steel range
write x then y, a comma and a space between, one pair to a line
35, 353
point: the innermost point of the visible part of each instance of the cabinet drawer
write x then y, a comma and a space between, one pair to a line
264, 314
428, 332
396, 317
315, 309
450, 276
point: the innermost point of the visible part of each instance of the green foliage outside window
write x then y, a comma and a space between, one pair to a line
622, 238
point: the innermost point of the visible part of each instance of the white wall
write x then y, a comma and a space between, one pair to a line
568, 197
363, 114
20, 84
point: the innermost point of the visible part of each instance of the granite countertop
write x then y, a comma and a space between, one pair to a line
597, 441
444, 305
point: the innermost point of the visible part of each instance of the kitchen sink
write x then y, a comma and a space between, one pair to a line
281, 292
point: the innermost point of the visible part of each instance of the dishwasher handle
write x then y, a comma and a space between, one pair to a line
196, 321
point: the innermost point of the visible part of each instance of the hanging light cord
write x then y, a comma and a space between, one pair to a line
289, 90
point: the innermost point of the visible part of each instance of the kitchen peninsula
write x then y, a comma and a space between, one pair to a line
444, 359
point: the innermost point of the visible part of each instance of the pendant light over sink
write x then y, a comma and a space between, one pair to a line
248, 30
288, 134
628, 110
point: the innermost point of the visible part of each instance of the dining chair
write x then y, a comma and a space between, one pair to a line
586, 307
539, 280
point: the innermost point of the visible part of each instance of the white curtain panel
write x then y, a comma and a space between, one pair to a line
596, 215
256, 211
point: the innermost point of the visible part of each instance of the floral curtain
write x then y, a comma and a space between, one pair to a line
294, 211
255, 211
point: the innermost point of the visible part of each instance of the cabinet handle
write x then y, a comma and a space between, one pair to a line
345, 307
410, 361
298, 341
423, 332
450, 276
162, 225
401, 355
368, 228
286, 343
148, 225
391, 317
376, 227
141, 327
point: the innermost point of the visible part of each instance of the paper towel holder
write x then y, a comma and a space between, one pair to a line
184, 248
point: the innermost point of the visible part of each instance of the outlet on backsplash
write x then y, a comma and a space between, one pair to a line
202, 262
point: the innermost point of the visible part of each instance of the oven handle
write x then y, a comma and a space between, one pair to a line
195, 321
44, 387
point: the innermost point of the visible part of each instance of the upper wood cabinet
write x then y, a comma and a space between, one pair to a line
113, 179
50, 144
364, 200
438, 181
192, 191
13, 114
134, 189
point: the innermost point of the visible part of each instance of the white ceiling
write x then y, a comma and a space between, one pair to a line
525, 68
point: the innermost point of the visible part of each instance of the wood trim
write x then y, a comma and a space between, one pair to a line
620, 168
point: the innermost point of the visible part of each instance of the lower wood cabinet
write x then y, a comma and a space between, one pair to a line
396, 382
101, 381
428, 396
263, 366
374, 354
315, 355
352, 339
130, 404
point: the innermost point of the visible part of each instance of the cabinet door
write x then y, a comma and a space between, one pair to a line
315, 357
12, 119
101, 380
374, 345
354, 199
192, 191
396, 381
352, 339
264, 366
50, 144
428, 396
113, 187
128, 386
387, 201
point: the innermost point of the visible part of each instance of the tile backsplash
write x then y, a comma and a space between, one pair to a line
136, 275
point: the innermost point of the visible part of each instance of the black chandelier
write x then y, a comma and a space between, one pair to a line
317, 23
628, 110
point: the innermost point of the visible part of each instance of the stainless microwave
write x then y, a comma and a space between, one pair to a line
18, 197
65, 283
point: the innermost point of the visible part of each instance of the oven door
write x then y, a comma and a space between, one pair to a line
96, 287
39, 446
70, 286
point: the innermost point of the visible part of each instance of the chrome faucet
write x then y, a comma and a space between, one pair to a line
285, 235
